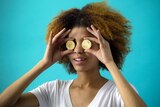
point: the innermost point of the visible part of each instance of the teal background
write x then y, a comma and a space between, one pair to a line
23, 26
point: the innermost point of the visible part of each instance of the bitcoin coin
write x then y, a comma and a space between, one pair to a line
70, 45
86, 44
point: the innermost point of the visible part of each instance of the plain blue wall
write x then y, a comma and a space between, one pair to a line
23, 27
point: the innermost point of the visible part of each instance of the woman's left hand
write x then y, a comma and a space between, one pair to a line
103, 53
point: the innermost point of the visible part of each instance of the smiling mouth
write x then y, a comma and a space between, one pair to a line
79, 60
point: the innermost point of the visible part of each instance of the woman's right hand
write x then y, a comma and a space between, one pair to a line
53, 51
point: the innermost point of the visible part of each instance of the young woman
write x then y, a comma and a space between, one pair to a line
84, 40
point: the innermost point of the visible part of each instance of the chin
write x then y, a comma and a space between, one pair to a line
80, 69
84, 69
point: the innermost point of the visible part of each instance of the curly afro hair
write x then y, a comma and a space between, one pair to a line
113, 26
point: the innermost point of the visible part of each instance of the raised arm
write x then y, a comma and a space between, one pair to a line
129, 96
12, 96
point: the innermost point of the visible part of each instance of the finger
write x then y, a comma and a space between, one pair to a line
92, 32
60, 32
63, 40
93, 28
63, 36
90, 51
92, 39
102, 40
99, 34
63, 53
97, 31
49, 46
66, 33
50, 38
58, 35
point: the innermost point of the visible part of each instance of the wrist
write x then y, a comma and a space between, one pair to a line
111, 65
46, 63
43, 64
107, 64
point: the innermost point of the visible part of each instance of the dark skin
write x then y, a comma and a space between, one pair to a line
88, 74
89, 80
13, 95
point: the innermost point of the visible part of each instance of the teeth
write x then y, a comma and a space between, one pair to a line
79, 59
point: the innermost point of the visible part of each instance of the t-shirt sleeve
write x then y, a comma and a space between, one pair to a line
119, 100
42, 93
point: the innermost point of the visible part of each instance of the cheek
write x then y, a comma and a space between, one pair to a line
92, 58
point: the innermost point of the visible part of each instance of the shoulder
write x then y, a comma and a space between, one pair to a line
111, 93
50, 91
111, 86
56, 84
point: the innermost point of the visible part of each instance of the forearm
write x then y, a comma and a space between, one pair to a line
14, 91
129, 96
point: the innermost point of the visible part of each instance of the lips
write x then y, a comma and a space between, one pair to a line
79, 60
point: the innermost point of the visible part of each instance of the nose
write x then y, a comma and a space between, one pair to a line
78, 48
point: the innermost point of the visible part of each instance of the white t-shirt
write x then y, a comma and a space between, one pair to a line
56, 94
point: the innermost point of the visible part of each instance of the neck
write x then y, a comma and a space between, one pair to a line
86, 79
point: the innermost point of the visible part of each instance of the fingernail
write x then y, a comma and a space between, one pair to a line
50, 32
89, 28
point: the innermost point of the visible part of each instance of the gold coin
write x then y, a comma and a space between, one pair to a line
86, 44
70, 45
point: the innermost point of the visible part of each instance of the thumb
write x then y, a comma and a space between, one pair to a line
66, 52
90, 51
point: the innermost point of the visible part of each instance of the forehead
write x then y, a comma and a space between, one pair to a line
79, 32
